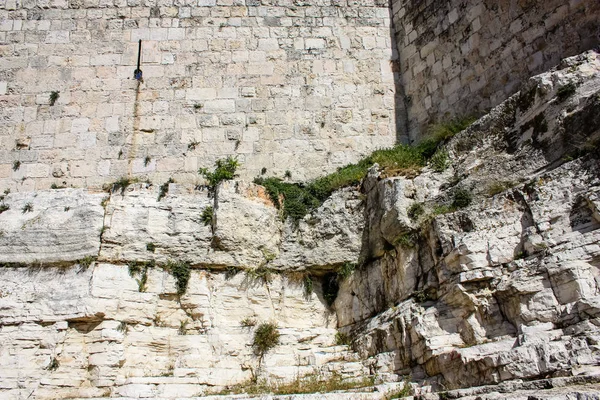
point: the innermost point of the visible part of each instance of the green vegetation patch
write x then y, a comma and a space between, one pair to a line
298, 199
440, 161
164, 189
311, 383
181, 272
122, 183
446, 130
266, 337
462, 198
341, 339
566, 91
224, 170
415, 211
207, 215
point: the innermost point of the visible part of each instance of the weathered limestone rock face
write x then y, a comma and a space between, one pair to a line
246, 230
50, 227
508, 287
75, 327
493, 288
108, 338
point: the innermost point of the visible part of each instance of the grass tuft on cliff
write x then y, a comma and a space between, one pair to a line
298, 199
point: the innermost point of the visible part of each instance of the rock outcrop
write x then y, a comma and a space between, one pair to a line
507, 287
480, 281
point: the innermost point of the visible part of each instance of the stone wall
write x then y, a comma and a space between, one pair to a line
281, 85
462, 57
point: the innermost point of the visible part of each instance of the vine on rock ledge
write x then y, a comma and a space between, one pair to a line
298, 199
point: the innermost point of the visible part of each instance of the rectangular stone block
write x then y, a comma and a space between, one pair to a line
219, 106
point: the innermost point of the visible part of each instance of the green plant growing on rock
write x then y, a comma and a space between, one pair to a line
53, 365
182, 331
443, 131
439, 161
231, 272
498, 187
141, 282
526, 98
415, 211
151, 247
266, 337
224, 170
566, 91
181, 272
122, 184
4, 207
260, 273
54, 95
407, 240
164, 189
442, 209
123, 327
140, 268
248, 322
28, 207
444, 395
345, 270
86, 262
207, 215
461, 198
316, 382
424, 295
298, 199
342, 339
308, 285
406, 391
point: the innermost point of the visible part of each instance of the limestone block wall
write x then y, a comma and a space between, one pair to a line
282, 85
462, 57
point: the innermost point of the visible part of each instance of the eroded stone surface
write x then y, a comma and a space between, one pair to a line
51, 226
508, 287
109, 338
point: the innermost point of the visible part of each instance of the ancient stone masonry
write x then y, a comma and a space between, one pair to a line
463, 57
300, 86
304, 87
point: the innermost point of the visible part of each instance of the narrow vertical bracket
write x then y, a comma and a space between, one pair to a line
137, 74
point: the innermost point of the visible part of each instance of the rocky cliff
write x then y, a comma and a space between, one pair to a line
477, 277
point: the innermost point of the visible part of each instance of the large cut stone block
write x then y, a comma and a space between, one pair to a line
51, 226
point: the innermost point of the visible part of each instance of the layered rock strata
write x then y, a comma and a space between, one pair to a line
492, 287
